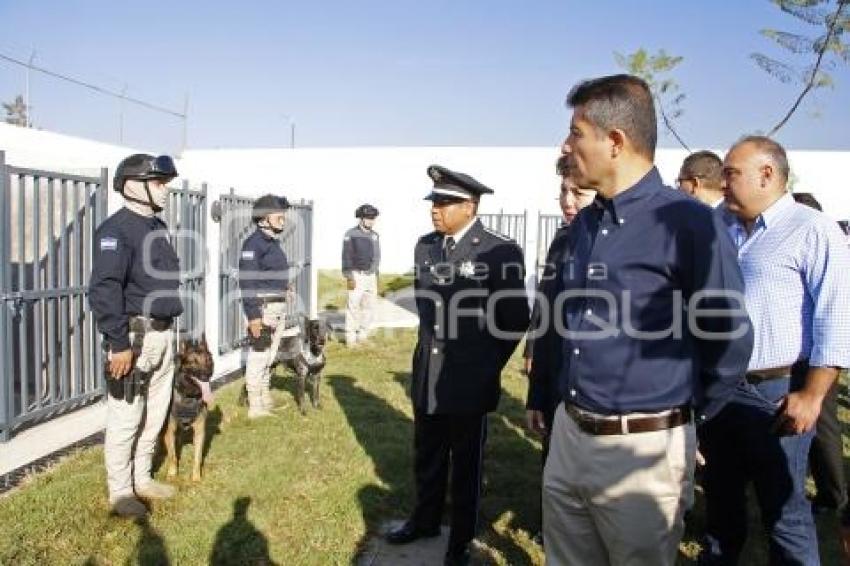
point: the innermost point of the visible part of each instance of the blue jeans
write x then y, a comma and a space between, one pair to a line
740, 446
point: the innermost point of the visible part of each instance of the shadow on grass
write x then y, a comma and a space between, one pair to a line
238, 541
150, 548
386, 434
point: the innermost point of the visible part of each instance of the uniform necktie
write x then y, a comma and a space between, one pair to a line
448, 247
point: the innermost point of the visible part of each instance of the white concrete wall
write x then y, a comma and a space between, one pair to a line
393, 179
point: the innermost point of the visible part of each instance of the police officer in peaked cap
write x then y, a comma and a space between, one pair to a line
361, 257
265, 287
133, 293
459, 357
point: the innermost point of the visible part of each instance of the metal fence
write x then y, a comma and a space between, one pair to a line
234, 214
512, 225
547, 225
51, 360
185, 214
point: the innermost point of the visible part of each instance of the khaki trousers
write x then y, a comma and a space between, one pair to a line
132, 429
616, 499
361, 306
258, 364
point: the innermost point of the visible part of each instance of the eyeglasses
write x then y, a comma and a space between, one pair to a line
681, 180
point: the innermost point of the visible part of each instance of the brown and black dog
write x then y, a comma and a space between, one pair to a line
189, 403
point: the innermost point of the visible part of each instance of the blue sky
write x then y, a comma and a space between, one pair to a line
396, 72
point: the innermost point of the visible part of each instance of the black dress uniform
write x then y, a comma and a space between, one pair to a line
458, 359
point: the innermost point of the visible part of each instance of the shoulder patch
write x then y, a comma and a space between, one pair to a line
346, 238
498, 234
108, 243
248, 254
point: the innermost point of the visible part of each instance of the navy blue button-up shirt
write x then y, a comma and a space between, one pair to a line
639, 264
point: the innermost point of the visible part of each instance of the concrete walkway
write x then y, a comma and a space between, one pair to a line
42, 440
424, 552
396, 310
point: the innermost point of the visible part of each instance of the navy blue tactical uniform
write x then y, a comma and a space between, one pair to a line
264, 282
263, 270
361, 251
135, 271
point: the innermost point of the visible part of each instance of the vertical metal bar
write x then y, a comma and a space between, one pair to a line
6, 386
85, 327
77, 296
51, 284
63, 285
102, 209
202, 252
23, 313
37, 311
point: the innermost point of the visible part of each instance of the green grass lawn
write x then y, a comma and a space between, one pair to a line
294, 490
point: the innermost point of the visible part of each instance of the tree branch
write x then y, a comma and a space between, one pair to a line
669, 125
813, 76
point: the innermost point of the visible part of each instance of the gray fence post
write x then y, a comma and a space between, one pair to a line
6, 387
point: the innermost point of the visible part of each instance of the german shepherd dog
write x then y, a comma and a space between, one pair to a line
189, 403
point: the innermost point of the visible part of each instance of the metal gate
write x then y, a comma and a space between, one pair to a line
51, 359
512, 225
547, 225
234, 214
185, 214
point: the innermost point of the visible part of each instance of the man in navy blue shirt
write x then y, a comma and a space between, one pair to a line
264, 284
649, 311
133, 293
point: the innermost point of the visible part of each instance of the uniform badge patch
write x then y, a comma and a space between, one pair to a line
108, 244
248, 254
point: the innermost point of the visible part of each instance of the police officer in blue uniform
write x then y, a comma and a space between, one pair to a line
466, 336
133, 293
361, 258
264, 284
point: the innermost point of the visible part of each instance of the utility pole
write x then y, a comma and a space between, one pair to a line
121, 116
27, 92
185, 123
289, 119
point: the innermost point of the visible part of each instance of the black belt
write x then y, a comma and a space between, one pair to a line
761, 375
143, 324
269, 300
627, 424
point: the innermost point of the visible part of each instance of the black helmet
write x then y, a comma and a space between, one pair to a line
268, 204
141, 166
366, 211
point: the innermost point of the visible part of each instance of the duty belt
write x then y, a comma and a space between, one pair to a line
274, 299
599, 425
143, 324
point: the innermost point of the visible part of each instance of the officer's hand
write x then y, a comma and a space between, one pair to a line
349, 284
120, 363
534, 421
255, 327
799, 413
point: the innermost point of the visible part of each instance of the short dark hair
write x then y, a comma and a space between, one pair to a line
620, 102
807, 199
704, 165
772, 149
562, 166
